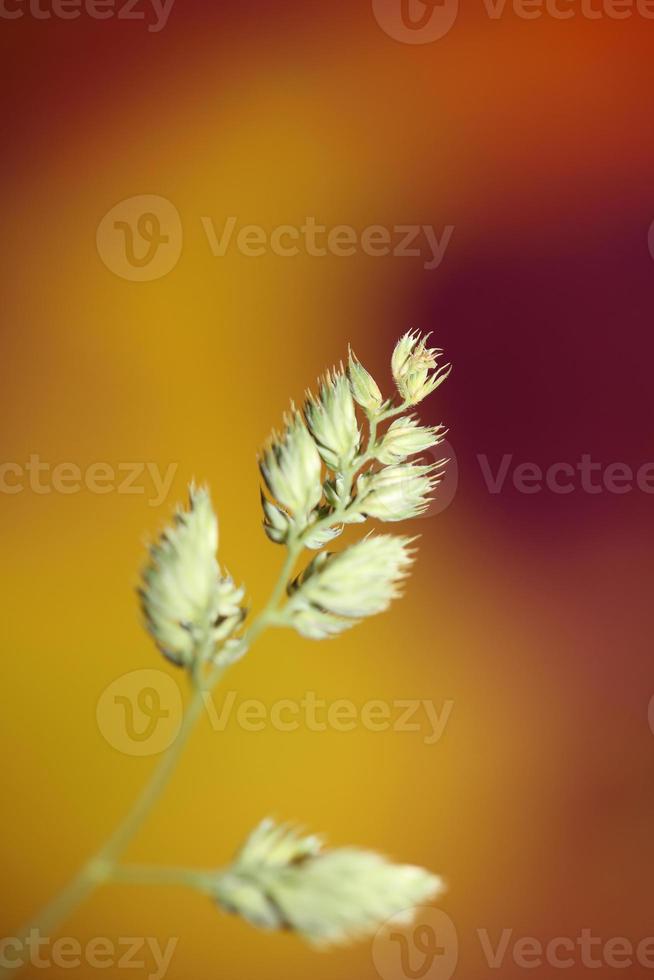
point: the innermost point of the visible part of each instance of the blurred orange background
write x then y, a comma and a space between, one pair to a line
530, 612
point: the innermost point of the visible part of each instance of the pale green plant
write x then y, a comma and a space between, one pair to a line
320, 474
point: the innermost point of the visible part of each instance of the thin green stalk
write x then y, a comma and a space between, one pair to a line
102, 867
141, 874
269, 615
99, 869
